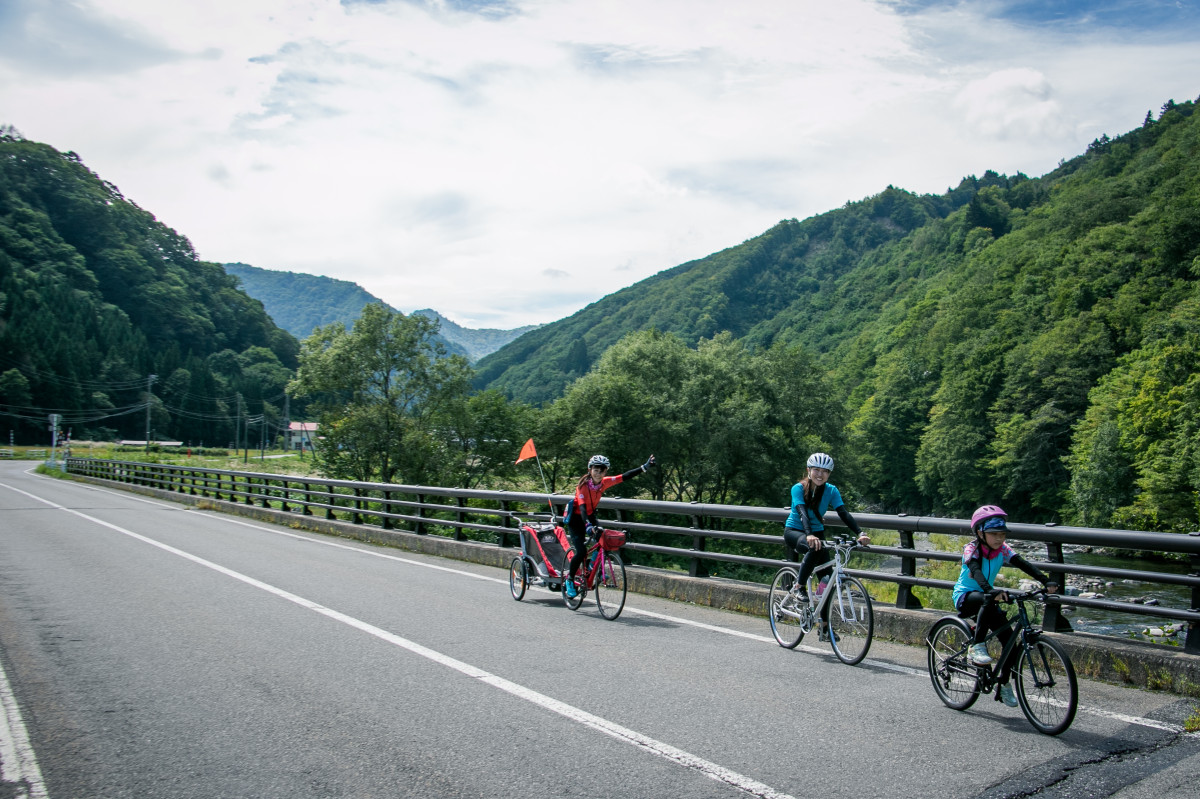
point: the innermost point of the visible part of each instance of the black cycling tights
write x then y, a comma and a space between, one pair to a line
795, 543
993, 618
577, 529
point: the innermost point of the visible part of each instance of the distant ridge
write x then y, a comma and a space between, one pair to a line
477, 342
300, 303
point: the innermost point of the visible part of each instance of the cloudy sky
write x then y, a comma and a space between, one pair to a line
507, 162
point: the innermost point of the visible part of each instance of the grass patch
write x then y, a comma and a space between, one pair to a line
1122, 668
1160, 681
50, 471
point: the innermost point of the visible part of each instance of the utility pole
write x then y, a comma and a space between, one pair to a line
149, 382
237, 435
54, 420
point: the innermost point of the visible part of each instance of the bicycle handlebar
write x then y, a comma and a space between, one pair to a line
1016, 596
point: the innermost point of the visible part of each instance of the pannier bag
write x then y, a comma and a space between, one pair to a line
612, 539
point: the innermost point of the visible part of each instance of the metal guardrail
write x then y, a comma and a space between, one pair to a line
491, 513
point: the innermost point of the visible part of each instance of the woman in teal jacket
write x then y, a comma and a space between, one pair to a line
804, 530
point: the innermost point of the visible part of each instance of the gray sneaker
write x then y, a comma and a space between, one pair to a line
1007, 695
979, 655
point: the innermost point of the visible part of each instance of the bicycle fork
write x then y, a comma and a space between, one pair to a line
599, 569
1039, 665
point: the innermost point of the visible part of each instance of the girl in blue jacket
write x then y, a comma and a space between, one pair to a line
982, 560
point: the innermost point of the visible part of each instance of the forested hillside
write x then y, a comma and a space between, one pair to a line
301, 303
1033, 342
1026, 341
99, 301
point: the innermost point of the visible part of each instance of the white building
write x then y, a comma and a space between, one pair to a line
301, 435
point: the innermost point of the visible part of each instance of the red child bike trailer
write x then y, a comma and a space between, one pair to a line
545, 553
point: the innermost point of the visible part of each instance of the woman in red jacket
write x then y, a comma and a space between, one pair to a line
581, 511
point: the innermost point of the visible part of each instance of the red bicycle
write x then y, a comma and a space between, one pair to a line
602, 572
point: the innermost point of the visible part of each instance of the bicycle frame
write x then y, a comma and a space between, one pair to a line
834, 566
833, 587
591, 572
989, 676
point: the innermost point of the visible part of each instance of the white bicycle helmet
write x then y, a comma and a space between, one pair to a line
598, 460
819, 460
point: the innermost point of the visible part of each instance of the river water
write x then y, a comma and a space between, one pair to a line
1105, 622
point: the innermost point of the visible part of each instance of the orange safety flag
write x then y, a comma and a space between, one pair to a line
528, 451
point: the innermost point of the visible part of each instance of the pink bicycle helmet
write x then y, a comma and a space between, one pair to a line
985, 512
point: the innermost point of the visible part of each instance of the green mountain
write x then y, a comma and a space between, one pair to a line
769, 287
477, 342
99, 300
1034, 342
300, 303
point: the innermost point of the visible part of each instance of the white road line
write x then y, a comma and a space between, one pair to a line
1137, 720
624, 734
1108, 714
18, 763
906, 670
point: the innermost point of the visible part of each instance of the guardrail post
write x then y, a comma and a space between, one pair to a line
905, 598
699, 542
356, 516
329, 512
306, 510
507, 524
387, 508
1192, 643
1052, 618
459, 535
625, 556
419, 526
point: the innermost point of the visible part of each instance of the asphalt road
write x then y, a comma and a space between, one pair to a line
151, 650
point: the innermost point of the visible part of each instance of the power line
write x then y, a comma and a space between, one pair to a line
76, 417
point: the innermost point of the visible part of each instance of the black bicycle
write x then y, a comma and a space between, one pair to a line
1046, 688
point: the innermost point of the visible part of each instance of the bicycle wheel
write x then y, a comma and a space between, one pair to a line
1046, 687
610, 586
954, 678
785, 609
851, 621
573, 602
518, 578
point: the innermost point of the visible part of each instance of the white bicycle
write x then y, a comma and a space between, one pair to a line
838, 605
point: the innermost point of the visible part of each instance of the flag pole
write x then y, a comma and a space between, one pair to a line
545, 485
530, 451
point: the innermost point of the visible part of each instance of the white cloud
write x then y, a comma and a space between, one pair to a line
1015, 103
508, 162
